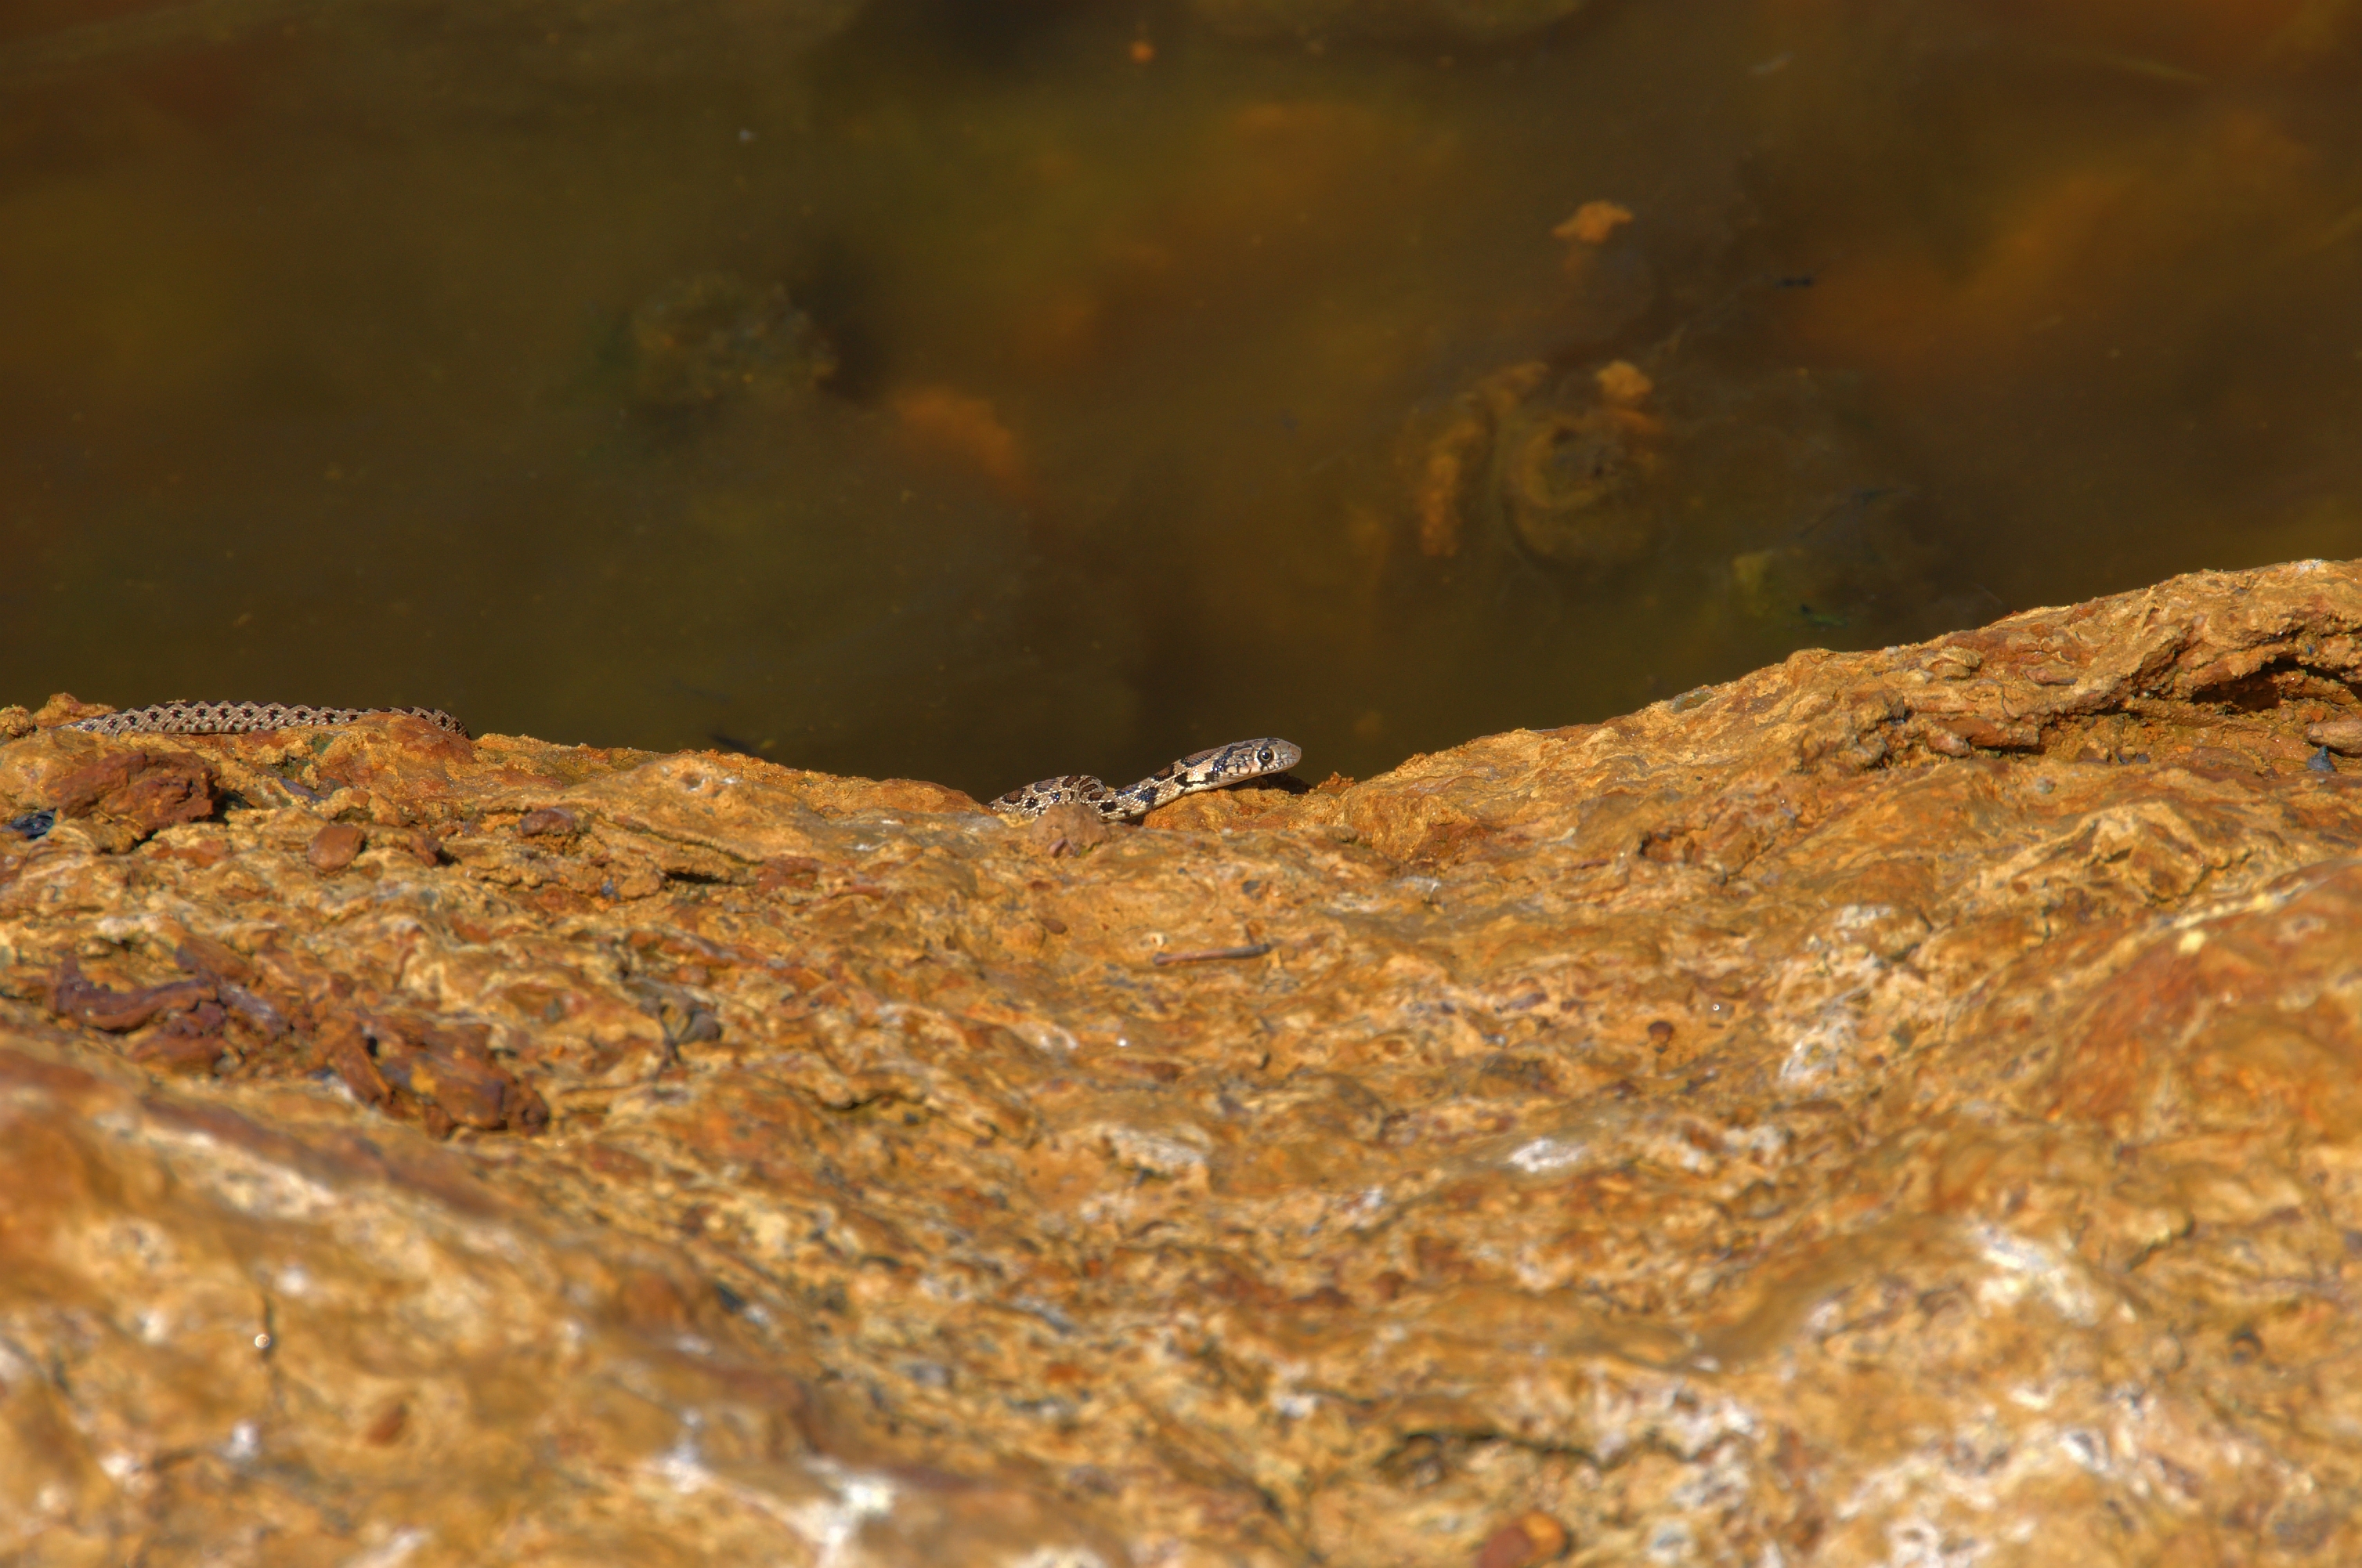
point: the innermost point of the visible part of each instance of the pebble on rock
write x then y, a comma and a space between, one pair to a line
333, 847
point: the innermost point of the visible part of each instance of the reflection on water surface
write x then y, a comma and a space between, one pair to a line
984, 392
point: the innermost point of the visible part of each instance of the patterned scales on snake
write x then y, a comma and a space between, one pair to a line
177, 718
1223, 765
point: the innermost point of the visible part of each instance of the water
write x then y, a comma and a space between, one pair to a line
980, 392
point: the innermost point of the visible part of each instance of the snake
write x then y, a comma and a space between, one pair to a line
1211, 770
182, 718
1214, 769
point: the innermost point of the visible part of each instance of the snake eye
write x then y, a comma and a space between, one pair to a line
1263, 757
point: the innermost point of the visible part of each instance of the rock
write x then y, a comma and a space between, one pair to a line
2343, 736
712, 335
1534, 1538
119, 795
555, 822
1891, 1105
1582, 473
334, 848
1066, 829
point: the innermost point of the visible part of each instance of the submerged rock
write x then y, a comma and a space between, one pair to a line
1581, 474
712, 335
1893, 1106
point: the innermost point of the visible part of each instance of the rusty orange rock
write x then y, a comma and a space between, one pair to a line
334, 848
964, 429
1523, 1542
2343, 736
1593, 223
1894, 1105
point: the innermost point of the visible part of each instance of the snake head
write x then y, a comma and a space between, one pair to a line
1276, 755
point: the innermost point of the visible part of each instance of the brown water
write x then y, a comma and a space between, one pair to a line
982, 392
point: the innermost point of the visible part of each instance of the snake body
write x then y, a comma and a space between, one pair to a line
177, 718
1211, 769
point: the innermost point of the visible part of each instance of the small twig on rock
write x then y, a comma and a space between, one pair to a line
1207, 954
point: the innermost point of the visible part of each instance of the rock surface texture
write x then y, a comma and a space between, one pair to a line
1897, 1107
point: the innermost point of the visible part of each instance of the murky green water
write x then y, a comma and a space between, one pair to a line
981, 392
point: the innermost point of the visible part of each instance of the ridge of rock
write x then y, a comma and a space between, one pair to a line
1892, 1106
